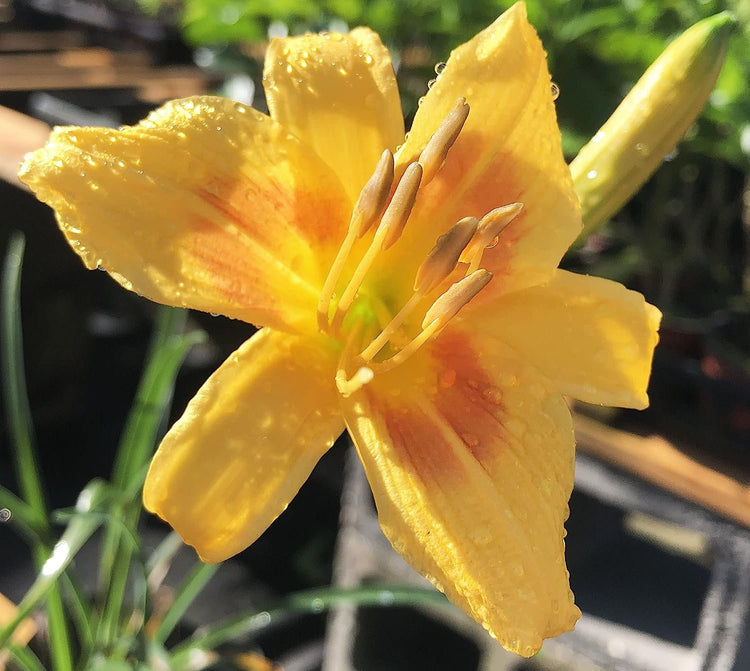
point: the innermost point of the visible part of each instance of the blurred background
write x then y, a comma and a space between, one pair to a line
657, 546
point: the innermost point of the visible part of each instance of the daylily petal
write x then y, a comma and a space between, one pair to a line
206, 204
339, 94
509, 151
593, 337
471, 468
246, 443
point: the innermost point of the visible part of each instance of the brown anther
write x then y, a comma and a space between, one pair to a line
444, 256
490, 226
398, 210
374, 195
459, 294
434, 154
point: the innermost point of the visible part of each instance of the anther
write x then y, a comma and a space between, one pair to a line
436, 150
374, 195
398, 210
490, 226
444, 256
459, 294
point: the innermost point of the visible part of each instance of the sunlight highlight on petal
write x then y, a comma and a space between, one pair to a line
339, 94
246, 444
206, 204
471, 474
593, 337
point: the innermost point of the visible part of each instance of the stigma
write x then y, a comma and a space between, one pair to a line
446, 281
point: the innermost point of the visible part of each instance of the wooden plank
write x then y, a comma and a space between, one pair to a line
720, 488
19, 134
89, 57
41, 40
155, 84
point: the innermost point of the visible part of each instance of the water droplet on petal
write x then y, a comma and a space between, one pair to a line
439, 68
431, 83
470, 439
555, 91
592, 174
447, 378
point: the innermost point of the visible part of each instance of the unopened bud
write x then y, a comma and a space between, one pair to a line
444, 256
398, 210
650, 121
374, 194
436, 150
460, 293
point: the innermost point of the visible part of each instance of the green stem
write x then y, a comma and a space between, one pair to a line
21, 428
166, 353
190, 588
76, 534
25, 659
309, 601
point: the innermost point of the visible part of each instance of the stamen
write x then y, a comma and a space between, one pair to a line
459, 294
385, 335
369, 205
374, 195
491, 225
398, 210
390, 229
440, 263
434, 154
442, 311
444, 256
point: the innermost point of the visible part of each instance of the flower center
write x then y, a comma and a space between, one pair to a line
391, 206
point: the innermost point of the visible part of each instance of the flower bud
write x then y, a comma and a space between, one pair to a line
650, 121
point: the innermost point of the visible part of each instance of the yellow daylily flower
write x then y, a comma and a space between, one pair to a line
361, 266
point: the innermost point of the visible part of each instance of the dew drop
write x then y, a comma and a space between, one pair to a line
447, 378
431, 83
214, 314
439, 68
592, 174
470, 439
555, 91
641, 148
420, 101
493, 395
367, 59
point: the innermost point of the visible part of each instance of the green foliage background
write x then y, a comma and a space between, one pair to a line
597, 48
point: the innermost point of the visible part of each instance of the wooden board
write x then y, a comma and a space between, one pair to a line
19, 134
721, 488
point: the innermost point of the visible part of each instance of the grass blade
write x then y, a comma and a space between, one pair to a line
21, 428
